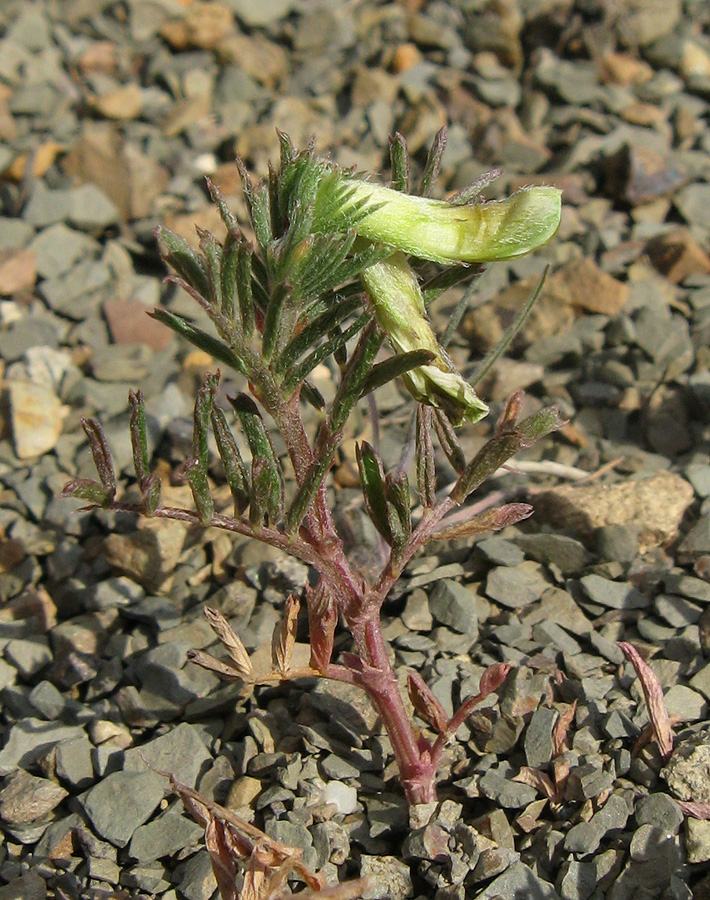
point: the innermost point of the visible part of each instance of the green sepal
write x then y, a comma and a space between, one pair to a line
195, 470
315, 331
312, 396
305, 495
449, 442
325, 266
398, 509
384, 372
273, 324
234, 469
228, 276
200, 339
257, 200
301, 371
267, 494
488, 520
502, 447
188, 264
358, 368
228, 217
372, 481
399, 161
101, 455
149, 483
89, 490
245, 290
268, 482
212, 253
433, 163
539, 425
424, 455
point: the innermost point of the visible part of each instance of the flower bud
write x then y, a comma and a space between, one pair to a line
399, 309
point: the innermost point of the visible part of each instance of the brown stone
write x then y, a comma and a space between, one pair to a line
123, 103
26, 798
655, 505
486, 326
42, 159
12, 552
618, 68
186, 225
583, 285
129, 323
128, 177
99, 57
185, 113
644, 114
149, 555
405, 57
578, 286
18, 271
37, 416
8, 128
639, 175
259, 57
678, 255
204, 26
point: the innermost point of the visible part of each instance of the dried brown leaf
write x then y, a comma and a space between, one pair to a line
694, 810
559, 736
511, 412
560, 772
284, 636
223, 861
492, 679
538, 780
231, 642
653, 692
425, 703
488, 520
221, 668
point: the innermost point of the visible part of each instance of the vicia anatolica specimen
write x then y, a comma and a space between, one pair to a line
332, 274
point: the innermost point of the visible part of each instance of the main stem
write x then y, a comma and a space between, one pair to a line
361, 610
416, 769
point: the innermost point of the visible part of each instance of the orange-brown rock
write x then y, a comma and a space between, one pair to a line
18, 271
678, 255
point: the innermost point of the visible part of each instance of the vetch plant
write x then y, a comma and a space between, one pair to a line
332, 275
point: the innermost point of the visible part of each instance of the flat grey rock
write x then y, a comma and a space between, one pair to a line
519, 882
515, 587
454, 605
29, 738
166, 835
14, 233
659, 810
181, 752
123, 801
59, 248
613, 594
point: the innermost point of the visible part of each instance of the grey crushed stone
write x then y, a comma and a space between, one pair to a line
454, 605
612, 594
515, 587
121, 802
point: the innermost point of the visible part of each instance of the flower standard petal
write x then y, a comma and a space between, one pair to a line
445, 232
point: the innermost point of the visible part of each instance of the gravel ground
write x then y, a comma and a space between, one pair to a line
111, 114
